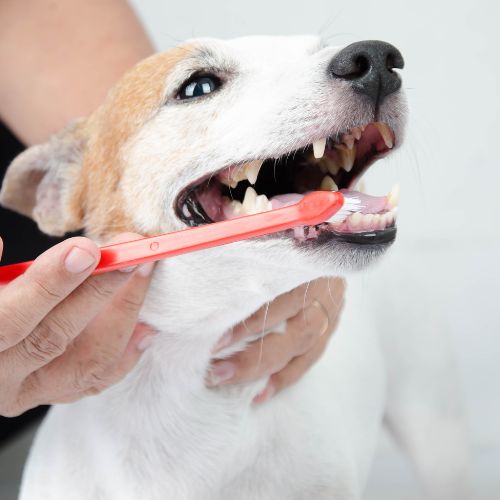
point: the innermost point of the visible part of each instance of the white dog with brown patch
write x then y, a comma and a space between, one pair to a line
205, 132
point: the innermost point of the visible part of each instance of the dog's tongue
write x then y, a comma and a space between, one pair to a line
369, 204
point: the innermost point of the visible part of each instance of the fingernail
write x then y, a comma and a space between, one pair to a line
265, 395
145, 342
128, 269
222, 372
146, 269
224, 341
78, 260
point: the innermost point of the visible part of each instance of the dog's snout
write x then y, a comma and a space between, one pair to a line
369, 66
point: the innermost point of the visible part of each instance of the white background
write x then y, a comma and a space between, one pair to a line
449, 170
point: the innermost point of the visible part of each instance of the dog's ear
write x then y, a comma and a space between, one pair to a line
40, 182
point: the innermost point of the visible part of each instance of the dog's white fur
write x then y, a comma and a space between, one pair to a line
161, 433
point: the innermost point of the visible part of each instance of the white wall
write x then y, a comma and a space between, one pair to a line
449, 169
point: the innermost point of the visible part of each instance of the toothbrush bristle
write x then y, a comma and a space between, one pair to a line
350, 206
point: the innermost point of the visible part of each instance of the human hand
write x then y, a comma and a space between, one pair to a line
65, 334
312, 312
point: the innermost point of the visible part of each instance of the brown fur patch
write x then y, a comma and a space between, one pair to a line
128, 106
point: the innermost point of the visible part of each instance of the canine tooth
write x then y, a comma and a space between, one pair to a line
347, 157
328, 184
394, 195
249, 200
386, 133
348, 140
252, 170
319, 148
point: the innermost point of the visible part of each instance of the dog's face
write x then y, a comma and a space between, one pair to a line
217, 129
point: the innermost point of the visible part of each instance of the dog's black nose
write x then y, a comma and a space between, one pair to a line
369, 66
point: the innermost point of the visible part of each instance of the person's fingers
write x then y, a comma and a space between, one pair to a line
141, 339
50, 338
110, 333
93, 362
274, 351
51, 278
298, 366
281, 308
292, 372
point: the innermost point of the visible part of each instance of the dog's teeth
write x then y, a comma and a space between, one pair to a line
361, 187
377, 222
262, 204
388, 218
231, 208
252, 170
347, 156
235, 207
348, 140
355, 221
386, 134
356, 132
249, 200
333, 168
393, 196
319, 148
228, 181
367, 221
328, 184
185, 211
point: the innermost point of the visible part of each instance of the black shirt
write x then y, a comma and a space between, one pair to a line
22, 241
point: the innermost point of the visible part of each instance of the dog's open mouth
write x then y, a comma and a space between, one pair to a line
334, 163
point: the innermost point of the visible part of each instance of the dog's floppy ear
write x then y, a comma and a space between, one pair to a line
40, 182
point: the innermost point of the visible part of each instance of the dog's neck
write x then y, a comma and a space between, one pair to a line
195, 298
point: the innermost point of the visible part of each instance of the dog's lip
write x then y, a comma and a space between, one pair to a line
192, 212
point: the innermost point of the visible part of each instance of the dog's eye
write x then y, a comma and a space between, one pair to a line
199, 86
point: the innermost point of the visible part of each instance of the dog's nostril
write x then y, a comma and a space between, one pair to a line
369, 66
362, 66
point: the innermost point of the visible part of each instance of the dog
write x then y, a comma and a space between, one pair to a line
207, 131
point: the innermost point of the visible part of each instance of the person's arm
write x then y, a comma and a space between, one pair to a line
58, 58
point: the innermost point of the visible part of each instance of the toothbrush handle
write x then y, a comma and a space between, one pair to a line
313, 209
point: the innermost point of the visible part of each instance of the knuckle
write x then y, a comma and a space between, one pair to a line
13, 324
131, 304
97, 289
92, 376
46, 291
298, 296
45, 343
11, 411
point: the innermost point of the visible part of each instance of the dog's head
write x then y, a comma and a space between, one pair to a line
215, 129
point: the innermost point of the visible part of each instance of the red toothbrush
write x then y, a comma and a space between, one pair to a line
314, 208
